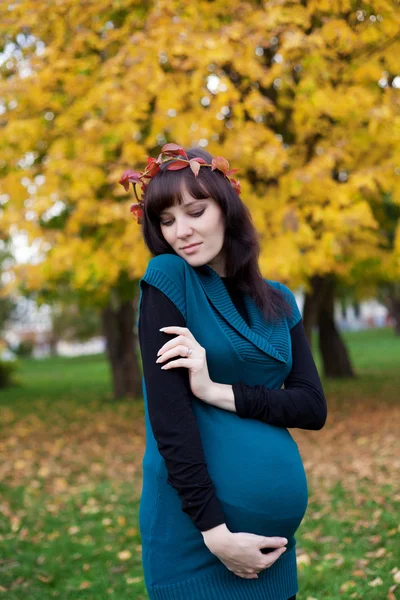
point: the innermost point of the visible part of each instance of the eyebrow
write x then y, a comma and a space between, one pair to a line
189, 203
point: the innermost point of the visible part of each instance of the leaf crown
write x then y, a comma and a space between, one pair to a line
179, 160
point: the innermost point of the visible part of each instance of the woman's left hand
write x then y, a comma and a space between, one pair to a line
196, 362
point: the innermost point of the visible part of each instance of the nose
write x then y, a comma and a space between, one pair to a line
183, 229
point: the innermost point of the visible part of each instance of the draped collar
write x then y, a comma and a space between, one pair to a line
267, 337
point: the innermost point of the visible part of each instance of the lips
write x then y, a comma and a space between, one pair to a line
191, 246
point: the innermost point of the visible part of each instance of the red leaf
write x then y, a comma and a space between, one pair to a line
235, 183
176, 165
195, 166
138, 211
199, 160
152, 167
128, 177
173, 150
220, 163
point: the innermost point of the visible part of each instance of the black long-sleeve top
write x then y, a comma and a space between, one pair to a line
301, 404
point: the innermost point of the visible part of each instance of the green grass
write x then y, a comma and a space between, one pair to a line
71, 479
52, 378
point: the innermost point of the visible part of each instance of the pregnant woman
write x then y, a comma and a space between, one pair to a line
224, 487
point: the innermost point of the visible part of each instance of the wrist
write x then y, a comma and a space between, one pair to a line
221, 395
219, 533
211, 395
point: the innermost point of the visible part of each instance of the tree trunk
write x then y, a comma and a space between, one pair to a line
319, 312
311, 306
393, 306
334, 354
118, 322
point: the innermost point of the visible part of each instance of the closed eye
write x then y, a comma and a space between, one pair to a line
196, 215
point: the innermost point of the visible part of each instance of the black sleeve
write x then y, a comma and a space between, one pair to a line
301, 404
174, 425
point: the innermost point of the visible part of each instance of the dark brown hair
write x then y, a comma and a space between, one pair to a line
242, 241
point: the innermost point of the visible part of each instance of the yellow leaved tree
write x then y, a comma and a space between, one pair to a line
302, 96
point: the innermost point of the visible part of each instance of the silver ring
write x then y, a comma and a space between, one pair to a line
189, 352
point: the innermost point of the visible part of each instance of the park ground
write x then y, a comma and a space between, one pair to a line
70, 481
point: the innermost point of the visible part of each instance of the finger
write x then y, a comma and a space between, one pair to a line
178, 330
273, 557
272, 542
176, 351
180, 339
247, 576
252, 571
181, 362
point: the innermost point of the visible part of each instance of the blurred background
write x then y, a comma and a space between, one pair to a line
303, 96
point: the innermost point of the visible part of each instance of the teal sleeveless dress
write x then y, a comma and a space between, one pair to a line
256, 468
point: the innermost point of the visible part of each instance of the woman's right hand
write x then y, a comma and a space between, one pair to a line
241, 552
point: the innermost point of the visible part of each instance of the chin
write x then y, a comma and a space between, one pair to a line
194, 260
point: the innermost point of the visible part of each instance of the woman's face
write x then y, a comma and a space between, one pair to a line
192, 222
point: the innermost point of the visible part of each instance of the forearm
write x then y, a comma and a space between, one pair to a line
302, 407
221, 395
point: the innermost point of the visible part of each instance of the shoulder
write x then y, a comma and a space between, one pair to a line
166, 261
281, 287
167, 273
169, 264
290, 297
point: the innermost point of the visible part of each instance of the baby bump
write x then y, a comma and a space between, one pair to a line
257, 471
